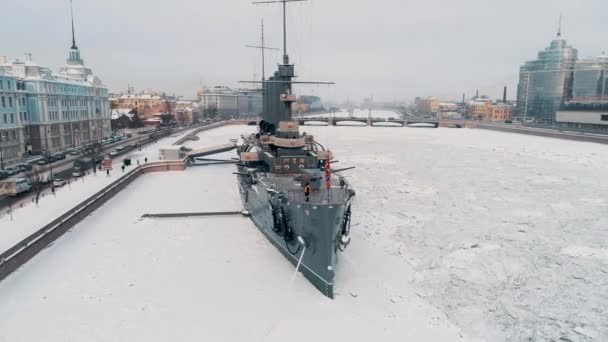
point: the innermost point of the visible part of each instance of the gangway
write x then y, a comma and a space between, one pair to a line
202, 152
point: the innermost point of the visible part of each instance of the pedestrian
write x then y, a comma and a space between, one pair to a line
137, 162
146, 160
123, 169
307, 192
107, 172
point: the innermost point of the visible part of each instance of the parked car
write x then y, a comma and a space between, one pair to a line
43, 161
114, 153
34, 160
120, 148
3, 174
24, 167
58, 156
74, 152
58, 182
12, 170
77, 173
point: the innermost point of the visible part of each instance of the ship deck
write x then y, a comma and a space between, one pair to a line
295, 192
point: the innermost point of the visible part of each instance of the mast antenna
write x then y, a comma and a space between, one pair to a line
559, 26
263, 49
284, 2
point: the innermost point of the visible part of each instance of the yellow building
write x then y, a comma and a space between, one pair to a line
484, 109
428, 106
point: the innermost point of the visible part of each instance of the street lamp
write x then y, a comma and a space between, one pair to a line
48, 158
1, 151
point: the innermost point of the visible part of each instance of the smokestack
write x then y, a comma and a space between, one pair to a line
504, 95
463, 98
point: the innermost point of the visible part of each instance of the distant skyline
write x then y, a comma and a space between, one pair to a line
398, 51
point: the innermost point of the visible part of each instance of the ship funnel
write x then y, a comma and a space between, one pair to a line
267, 128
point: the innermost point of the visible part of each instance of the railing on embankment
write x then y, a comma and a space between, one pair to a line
26, 249
211, 126
588, 137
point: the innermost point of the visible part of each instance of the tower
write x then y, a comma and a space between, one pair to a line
74, 55
546, 82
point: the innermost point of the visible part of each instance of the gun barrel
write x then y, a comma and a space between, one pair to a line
344, 169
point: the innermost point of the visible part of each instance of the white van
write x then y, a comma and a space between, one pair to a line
15, 187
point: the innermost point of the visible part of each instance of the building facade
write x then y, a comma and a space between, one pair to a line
484, 109
186, 112
588, 108
250, 102
586, 115
146, 104
546, 83
66, 109
591, 79
221, 101
13, 116
427, 106
62, 110
218, 101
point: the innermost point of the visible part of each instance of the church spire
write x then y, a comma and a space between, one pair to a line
74, 47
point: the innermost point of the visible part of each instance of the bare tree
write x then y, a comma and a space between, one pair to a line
37, 180
167, 117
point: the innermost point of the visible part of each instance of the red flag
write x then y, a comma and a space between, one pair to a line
327, 173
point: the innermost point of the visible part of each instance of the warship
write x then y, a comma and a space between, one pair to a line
288, 187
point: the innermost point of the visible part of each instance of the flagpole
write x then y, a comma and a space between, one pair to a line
328, 176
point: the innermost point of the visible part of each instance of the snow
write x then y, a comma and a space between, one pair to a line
215, 279
30, 218
490, 235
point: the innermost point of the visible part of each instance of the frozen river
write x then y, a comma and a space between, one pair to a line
456, 232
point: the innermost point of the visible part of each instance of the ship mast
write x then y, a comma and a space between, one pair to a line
284, 2
278, 95
263, 49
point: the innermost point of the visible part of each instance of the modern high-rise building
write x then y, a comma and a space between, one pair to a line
588, 107
546, 82
591, 79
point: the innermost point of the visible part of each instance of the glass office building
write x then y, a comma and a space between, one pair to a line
546, 82
591, 79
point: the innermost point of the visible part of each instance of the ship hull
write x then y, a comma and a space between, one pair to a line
319, 225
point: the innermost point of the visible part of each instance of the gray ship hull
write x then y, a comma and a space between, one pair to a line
318, 224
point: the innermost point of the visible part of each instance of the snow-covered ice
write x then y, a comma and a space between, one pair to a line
214, 279
495, 236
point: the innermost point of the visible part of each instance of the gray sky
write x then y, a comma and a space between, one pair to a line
393, 49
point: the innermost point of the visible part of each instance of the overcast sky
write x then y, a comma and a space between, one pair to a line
393, 49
